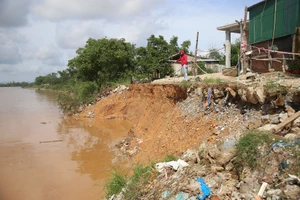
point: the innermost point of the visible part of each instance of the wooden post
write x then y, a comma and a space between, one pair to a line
195, 61
245, 57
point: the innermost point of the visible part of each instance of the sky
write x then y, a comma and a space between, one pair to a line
38, 37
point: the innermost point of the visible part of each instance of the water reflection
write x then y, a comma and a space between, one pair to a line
91, 146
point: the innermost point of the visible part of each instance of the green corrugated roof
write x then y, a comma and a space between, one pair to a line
285, 12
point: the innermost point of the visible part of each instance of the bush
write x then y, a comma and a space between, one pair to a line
72, 96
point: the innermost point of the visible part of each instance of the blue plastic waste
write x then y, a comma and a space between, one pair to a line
204, 188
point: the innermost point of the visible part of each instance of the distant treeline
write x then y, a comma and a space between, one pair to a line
16, 84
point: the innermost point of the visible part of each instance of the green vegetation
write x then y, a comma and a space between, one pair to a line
248, 148
212, 80
115, 184
133, 185
141, 175
107, 62
273, 85
16, 84
169, 158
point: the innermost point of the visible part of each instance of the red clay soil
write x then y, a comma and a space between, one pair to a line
157, 119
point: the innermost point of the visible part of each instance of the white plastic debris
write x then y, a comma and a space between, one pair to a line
173, 164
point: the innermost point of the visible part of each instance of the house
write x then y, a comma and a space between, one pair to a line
210, 63
274, 34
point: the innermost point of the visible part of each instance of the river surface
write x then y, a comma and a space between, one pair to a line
45, 155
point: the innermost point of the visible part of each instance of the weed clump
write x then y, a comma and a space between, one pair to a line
248, 148
115, 184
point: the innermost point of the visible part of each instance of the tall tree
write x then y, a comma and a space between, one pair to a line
103, 60
154, 56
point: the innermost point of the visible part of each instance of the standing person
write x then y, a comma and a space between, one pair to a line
184, 61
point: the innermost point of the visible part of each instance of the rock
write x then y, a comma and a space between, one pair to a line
265, 119
290, 136
289, 110
279, 101
214, 152
218, 93
229, 167
217, 168
198, 92
231, 91
274, 194
275, 119
250, 95
244, 95
191, 155
226, 156
283, 116
267, 127
259, 95
230, 72
292, 191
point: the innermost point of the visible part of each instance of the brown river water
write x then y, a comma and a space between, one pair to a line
75, 165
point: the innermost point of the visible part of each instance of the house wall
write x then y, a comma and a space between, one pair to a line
216, 67
177, 68
282, 44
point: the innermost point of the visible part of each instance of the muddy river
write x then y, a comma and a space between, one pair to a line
45, 155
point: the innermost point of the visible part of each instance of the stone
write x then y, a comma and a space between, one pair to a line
226, 156
231, 91
291, 136
259, 95
218, 93
267, 127
275, 119
292, 191
250, 95
280, 101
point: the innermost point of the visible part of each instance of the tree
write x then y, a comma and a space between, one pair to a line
186, 45
235, 52
103, 60
154, 57
215, 54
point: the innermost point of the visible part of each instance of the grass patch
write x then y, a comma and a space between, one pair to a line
185, 84
272, 85
212, 80
115, 184
141, 175
169, 158
248, 148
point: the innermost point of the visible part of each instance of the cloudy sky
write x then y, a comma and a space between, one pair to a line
38, 37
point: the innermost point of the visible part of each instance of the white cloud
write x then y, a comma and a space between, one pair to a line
10, 54
47, 55
13, 13
93, 9
72, 35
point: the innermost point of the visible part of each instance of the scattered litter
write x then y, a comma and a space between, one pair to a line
204, 188
174, 164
